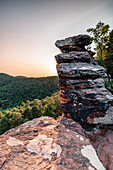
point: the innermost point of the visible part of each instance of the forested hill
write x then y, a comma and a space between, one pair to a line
14, 90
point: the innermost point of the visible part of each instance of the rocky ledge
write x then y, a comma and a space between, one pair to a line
48, 144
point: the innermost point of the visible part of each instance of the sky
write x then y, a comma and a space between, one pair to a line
29, 29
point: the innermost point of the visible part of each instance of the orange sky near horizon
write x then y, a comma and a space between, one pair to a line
29, 29
28, 63
29, 71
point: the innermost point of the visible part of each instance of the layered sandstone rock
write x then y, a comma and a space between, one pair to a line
84, 97
47, 144
75, 43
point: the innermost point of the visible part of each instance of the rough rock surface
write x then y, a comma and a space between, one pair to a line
102, 140
75, 43
84, 97
48, 144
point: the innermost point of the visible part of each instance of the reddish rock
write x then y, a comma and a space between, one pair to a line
84, 96
44, 143
103, 145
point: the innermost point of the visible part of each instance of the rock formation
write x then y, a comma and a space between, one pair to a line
47, 144
84, 97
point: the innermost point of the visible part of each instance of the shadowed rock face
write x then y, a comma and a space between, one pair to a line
84, 97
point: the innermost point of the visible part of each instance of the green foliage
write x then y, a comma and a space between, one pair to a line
15, 90
27, 114
18, 102
47, 110
49, 106
100, 35
36, 110
1, 115
109, 55
4, 124
103, 39
15, 119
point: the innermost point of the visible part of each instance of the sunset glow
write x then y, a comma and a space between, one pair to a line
29, 30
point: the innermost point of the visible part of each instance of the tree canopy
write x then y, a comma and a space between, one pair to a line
103, 38
100, 35
12, 117
109, 55
15, 90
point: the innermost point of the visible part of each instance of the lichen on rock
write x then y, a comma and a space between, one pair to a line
14, 142
89, 152
44, 146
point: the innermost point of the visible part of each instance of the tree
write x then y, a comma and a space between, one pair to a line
15, 119
28, 113
4, 124
100, 35
109, 55
36, 111
47, 110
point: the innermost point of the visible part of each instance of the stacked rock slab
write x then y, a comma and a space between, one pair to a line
84, 97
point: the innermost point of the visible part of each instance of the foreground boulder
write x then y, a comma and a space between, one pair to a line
47, 144
84, 97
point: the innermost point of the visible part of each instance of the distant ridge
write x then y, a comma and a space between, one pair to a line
4, 74
19, 76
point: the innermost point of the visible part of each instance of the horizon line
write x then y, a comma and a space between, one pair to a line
28, 76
